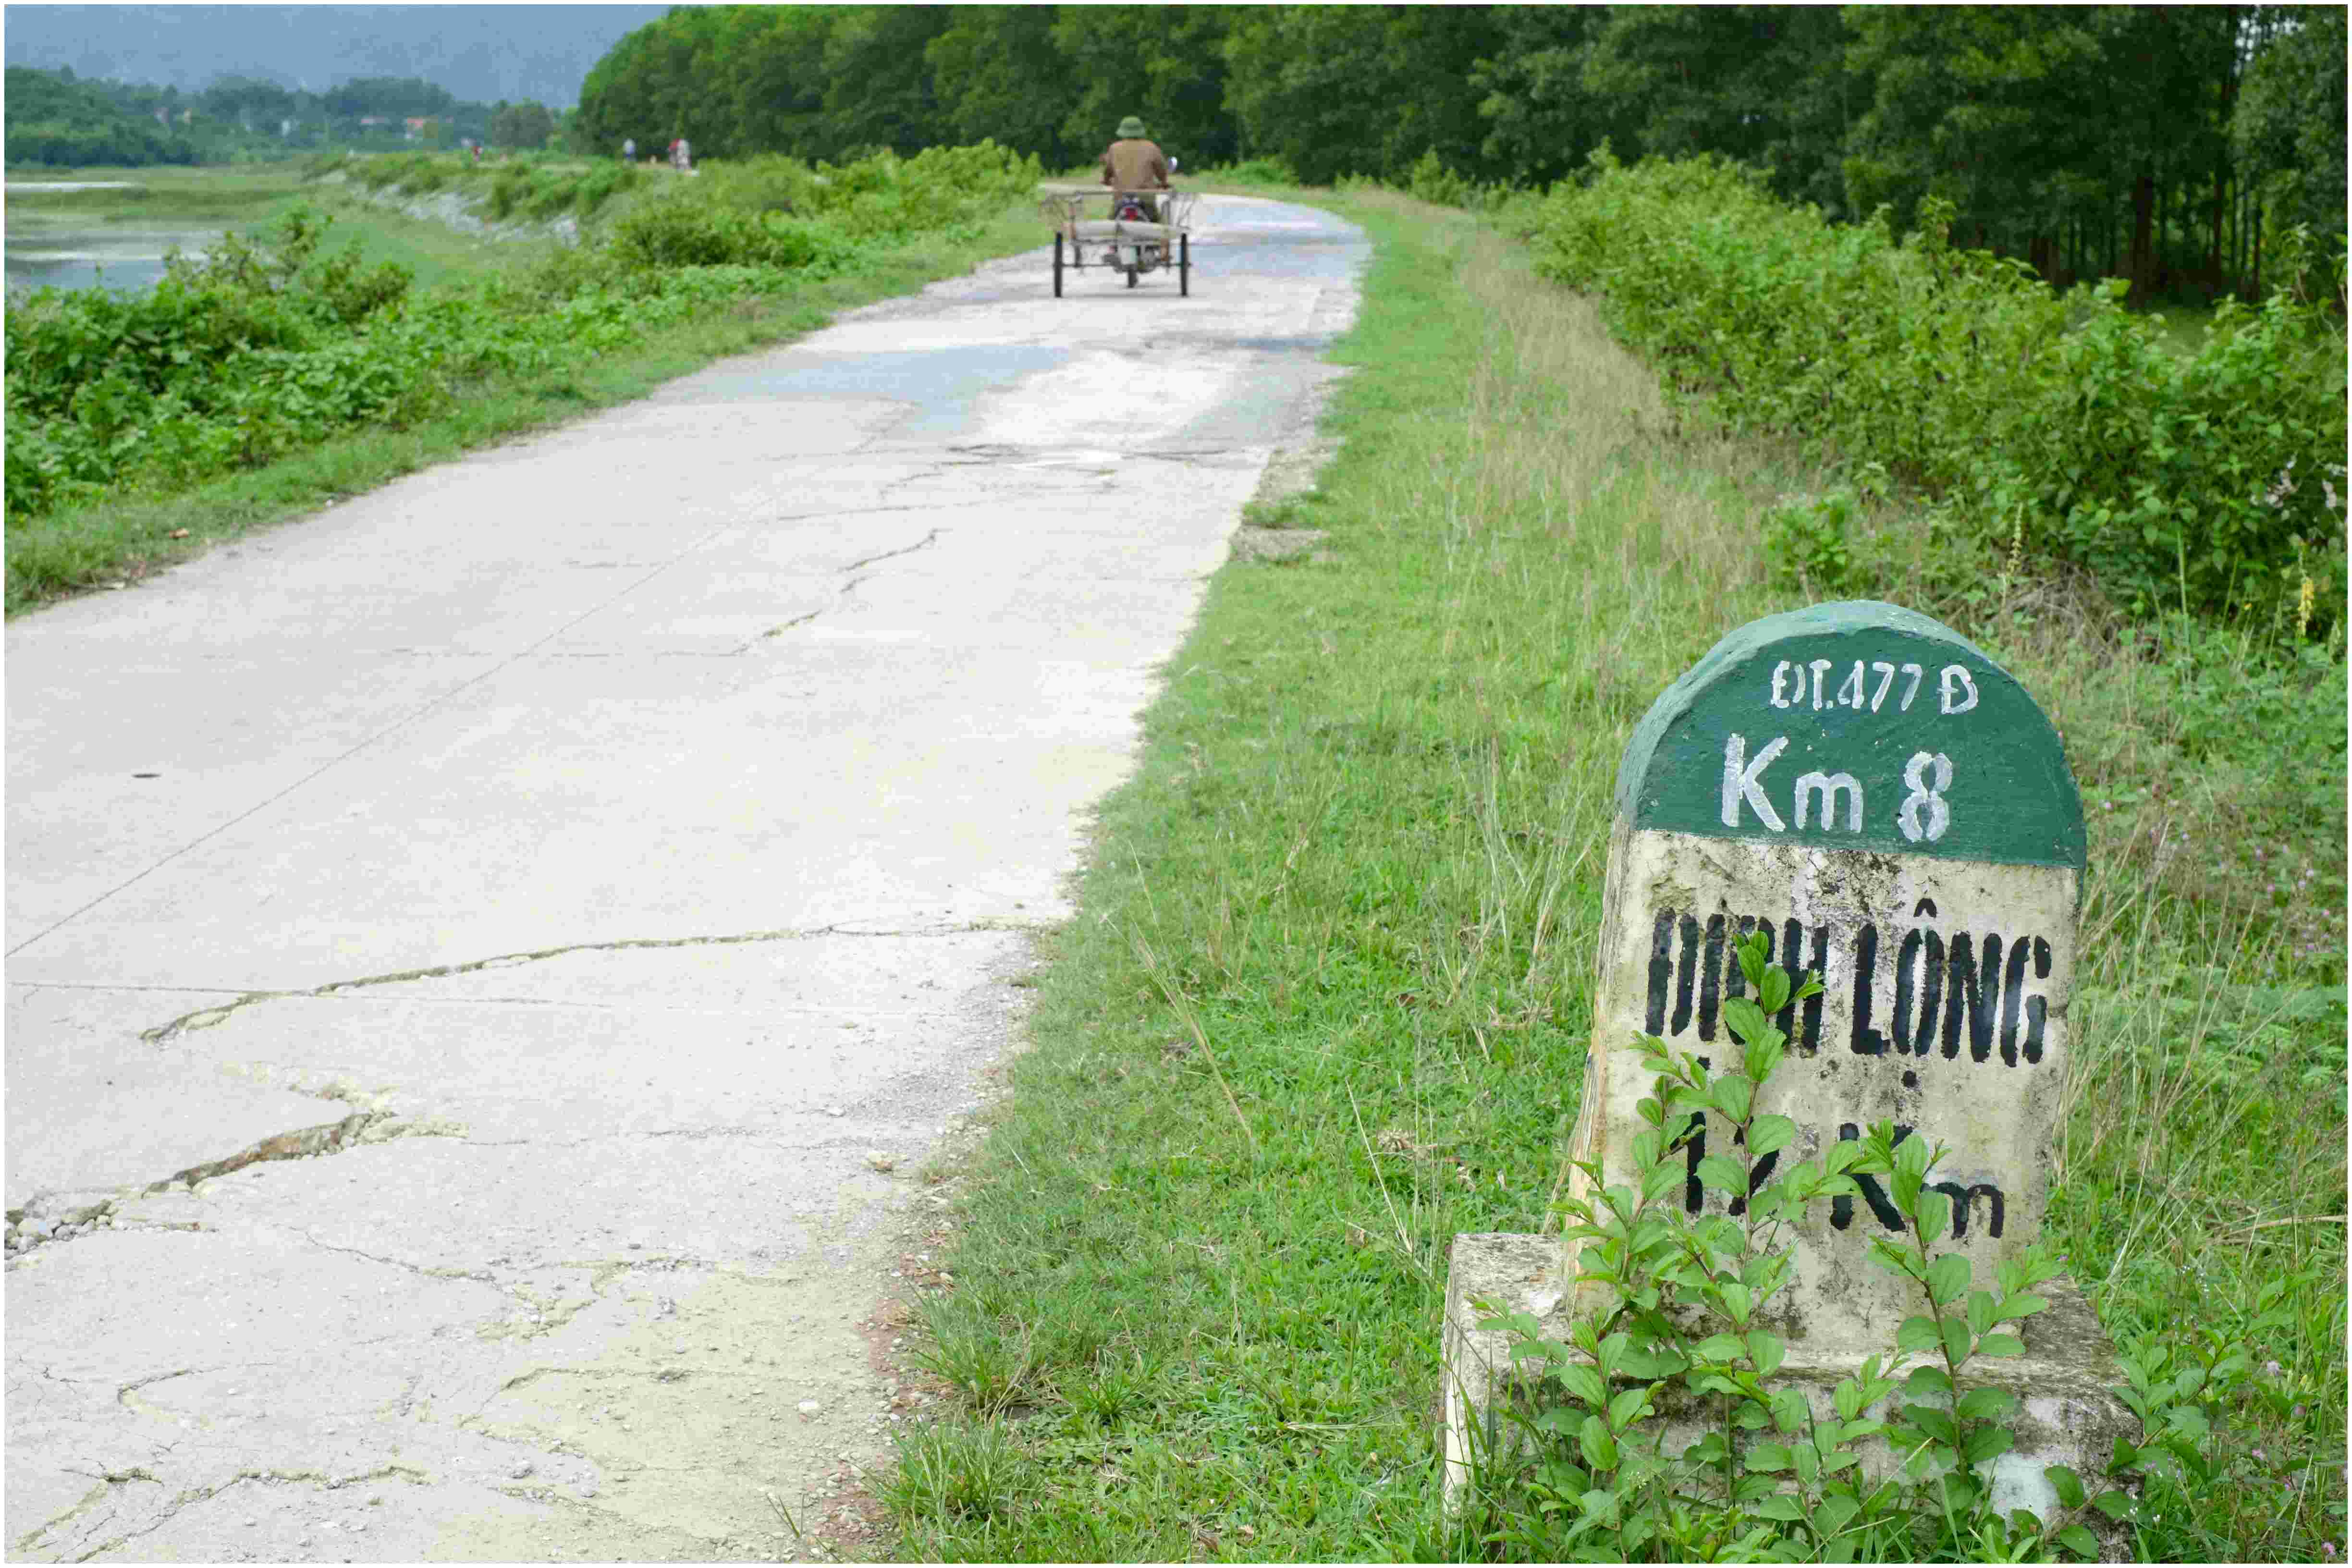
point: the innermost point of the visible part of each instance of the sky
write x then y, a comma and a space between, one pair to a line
480, 53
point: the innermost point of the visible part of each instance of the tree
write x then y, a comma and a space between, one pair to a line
252, 102
1167, 65
1757, 84
658, 83
53, 118
985, 72
877, 80
397, 97
1981, 106
1542, 121
2288, 127
1361, 89
526, 124
776, 80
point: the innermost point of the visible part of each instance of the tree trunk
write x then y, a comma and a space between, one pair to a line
2143, 217
2238, 18
2213, 251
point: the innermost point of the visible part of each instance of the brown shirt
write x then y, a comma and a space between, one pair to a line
1135, 165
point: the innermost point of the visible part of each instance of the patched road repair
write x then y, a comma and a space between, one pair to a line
489, 965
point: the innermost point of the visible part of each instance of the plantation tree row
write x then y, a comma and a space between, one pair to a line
54, 118
2158, 142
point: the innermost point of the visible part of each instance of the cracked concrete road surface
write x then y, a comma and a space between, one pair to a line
489, 965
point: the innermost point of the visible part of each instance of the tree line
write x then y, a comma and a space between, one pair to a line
58, 120
2160, 143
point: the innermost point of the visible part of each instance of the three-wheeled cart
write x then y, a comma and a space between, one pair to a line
1123, 245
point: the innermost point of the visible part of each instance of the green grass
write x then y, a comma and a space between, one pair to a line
2184, 325
1325, 1003
123, 537
433, 252
239, 195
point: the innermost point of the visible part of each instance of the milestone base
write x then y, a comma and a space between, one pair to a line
2066, 1414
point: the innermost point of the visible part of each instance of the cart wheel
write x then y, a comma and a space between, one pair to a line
1184, 265
1058, 266
1130, 276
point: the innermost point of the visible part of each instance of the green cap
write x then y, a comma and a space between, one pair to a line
1906, 738
1130, 126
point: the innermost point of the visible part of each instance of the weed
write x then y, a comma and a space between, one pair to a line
974, 1354
1684, 1347
1812, 543
962, 1475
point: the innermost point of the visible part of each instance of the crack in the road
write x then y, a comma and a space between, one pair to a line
207, 1018
126, 1395
371, 1126
191, 1496
108, 1480
847, 589
923, 543
478, 1275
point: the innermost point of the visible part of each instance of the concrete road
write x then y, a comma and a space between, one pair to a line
488, 964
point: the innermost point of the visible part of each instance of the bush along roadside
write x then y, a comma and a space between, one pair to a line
265, 348
1768, 1479
2059, 429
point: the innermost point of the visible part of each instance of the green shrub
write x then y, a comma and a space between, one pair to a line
2062, 427
602, 183
509, 188
377, 173
1256, 172
1811, 544
423, 175
267, 346
678, 232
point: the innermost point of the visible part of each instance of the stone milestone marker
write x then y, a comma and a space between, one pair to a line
1895, 814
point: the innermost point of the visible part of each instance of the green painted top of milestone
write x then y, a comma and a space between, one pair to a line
1856, 725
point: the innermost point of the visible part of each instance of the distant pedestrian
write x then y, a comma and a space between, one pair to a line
629, 151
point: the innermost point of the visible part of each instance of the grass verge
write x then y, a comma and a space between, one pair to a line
116, 540
1325, 1003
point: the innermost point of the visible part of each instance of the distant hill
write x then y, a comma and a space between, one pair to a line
479, 53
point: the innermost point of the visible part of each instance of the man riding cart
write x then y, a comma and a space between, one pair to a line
1143, 229
1135, 163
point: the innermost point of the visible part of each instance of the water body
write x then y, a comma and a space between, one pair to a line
87, 255
95, 257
